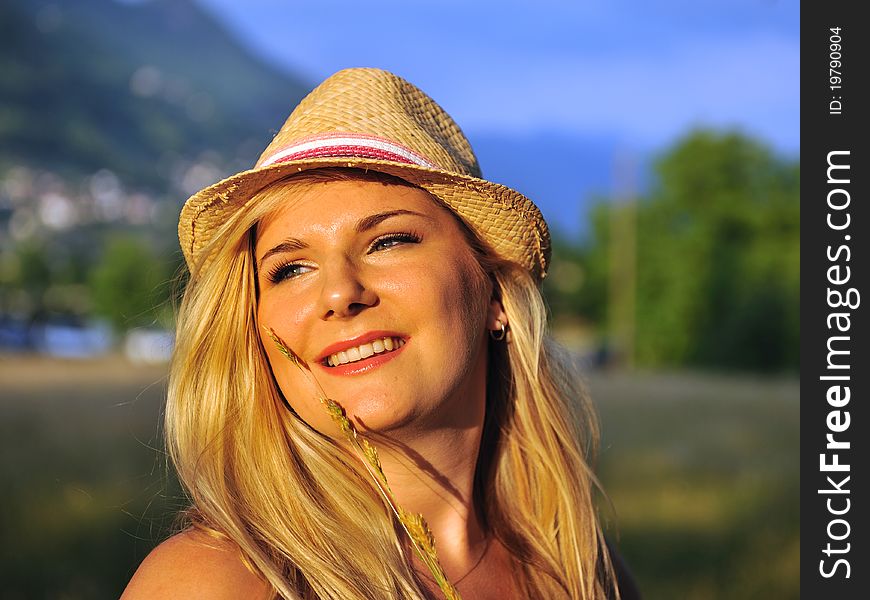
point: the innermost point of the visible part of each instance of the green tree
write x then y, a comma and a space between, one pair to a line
130, 286
718, 257
33, 270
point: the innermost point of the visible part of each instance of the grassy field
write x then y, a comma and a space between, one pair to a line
702, 472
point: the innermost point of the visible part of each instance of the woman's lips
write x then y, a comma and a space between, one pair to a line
357, 341
363, 351
364, 357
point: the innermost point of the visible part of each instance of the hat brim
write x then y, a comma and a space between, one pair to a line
507, 220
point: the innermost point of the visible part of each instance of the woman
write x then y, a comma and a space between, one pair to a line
361, 366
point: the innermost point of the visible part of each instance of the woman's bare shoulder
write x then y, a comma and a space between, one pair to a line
193, 565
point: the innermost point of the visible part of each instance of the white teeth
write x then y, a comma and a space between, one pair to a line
362, 351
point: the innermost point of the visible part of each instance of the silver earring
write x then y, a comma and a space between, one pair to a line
498, 334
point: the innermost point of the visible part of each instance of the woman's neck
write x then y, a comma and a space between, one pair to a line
434, 476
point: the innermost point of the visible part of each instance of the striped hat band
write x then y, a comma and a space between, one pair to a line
347, 145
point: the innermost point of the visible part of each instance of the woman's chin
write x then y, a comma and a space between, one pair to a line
369, 416
380, 416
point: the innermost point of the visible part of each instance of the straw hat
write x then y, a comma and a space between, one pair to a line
372, 119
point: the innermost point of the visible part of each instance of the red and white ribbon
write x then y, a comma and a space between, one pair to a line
347, 145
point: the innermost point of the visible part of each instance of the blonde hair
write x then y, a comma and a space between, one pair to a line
296, 504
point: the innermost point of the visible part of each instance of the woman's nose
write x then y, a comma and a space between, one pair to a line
344, 292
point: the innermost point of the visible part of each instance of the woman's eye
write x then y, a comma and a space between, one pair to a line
287, 271
394, 239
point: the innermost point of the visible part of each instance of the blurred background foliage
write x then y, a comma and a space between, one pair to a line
680, 297
716, 263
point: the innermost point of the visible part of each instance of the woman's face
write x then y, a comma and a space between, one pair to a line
375, 287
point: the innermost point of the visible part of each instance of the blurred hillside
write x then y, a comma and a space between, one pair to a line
134, 88
111, 114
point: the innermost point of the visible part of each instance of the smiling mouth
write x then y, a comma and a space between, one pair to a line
364, 351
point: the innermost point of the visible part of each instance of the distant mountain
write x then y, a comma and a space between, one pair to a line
132, 87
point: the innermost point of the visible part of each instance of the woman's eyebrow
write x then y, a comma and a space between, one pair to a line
370, 221
288, 245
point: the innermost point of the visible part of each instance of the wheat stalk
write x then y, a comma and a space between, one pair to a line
414, 524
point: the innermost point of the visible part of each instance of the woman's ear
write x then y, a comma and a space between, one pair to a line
496, 318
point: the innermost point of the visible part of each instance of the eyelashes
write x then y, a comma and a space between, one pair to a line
291, 270
283, 271
391, 240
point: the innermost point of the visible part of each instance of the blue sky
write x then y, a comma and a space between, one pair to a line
587, 80
644, 71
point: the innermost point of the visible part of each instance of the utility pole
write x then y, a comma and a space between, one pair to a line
623, 260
